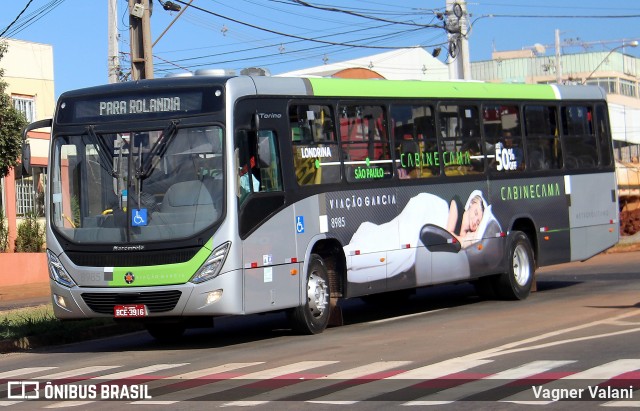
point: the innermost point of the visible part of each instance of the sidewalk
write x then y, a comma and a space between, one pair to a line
24, 295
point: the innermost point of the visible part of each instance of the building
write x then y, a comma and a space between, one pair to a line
401, 64
616, 72
28, 72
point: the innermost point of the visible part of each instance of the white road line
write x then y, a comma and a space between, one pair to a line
218, 386
65, 374
440, 369
284, 370
24, 371
78, 372
575, 382
116, 376
511, 347
194, 375
319, 383
403, 317
485, 384
19, 373
400, 381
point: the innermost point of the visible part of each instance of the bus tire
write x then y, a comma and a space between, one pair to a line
312, 317
515, 283
166, 332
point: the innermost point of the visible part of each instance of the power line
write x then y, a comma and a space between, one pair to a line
32, 17
16, 19
315, 40
547, 16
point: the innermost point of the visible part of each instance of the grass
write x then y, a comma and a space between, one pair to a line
38, 326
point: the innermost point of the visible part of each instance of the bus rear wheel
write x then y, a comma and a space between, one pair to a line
312, 317
515, 283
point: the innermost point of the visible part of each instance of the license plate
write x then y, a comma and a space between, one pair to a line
129, 311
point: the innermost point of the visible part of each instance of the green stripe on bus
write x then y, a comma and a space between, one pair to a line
166, 274
454, 89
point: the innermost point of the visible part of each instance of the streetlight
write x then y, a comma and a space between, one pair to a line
633, 43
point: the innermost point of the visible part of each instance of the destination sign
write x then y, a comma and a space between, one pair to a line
143, 105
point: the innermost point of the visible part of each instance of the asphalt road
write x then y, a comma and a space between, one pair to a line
573, 343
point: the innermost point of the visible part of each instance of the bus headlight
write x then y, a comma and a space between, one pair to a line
57, 271
211, 268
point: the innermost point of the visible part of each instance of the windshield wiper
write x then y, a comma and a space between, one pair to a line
157, 151
102, 152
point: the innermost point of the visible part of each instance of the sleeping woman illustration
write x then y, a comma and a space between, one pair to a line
465, 226
464, 222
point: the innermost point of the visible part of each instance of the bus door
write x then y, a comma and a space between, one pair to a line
265, 224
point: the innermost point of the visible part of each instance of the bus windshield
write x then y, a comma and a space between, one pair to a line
132, 187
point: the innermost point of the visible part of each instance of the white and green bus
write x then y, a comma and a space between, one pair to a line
173, 201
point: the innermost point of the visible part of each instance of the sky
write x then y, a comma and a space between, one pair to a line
286, 35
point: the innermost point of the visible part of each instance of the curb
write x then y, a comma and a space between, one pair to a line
39, 341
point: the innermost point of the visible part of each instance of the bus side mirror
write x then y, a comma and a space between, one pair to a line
26, 158
26, 148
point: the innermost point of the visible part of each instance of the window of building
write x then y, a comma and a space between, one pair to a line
461, 151
580, 147
609, 84
316, 157
416, 145
365, 143
30, 191
26, 105
543, 148
628, 88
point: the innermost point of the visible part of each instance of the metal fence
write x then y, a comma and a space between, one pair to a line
25, 197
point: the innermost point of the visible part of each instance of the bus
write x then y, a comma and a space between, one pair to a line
177, 200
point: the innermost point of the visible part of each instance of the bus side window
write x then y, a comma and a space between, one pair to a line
603, 135
543, 147
316, 158
416, 147
461, 145
365, 143
258, 163
268, 161
580, 144
503, 137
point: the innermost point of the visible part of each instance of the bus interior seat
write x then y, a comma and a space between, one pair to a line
186, 202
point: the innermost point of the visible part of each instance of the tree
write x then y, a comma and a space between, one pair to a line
11, 124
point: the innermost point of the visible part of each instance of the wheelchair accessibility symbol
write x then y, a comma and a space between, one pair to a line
299, 224
138, 217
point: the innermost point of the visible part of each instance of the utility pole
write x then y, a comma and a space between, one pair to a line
558, 55
113, 61
140, 38
456, 25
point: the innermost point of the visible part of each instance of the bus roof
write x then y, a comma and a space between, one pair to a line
336, 87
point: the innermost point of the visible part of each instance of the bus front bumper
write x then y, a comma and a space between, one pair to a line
219, 296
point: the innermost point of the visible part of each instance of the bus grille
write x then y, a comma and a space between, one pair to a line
137, 259
156, 301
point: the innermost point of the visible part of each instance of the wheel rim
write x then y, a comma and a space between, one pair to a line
521, 266
317, 295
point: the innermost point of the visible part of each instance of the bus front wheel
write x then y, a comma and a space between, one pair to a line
515, 283
312, 317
